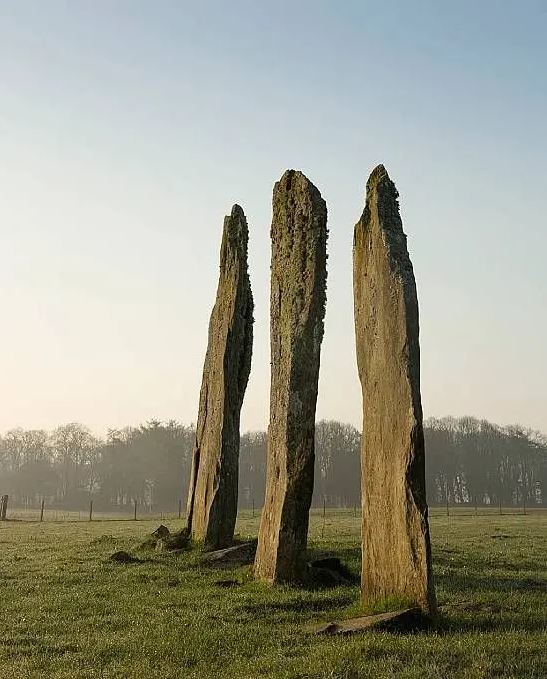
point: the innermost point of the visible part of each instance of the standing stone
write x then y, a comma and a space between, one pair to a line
212, 497
4, 507
298, 296
396, 550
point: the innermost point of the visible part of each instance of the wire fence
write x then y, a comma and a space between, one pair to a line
141, 512
130, 512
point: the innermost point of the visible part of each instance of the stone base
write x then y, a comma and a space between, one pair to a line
406, 620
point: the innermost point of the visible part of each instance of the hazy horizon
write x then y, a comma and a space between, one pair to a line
128, 131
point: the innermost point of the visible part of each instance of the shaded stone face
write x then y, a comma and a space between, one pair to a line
212, 497
298, 295
395, 533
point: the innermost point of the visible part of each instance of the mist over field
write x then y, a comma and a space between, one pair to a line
471, 461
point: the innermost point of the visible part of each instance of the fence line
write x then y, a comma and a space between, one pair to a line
134, 512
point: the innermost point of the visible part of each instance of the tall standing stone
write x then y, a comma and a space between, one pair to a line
395, 533
212, 497
4, 507
298, 296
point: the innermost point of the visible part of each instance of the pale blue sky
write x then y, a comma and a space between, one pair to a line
128, 129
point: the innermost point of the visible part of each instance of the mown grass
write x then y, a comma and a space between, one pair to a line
66, 611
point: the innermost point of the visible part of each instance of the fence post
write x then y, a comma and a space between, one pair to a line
42, 511
253, 507
91, 510
324, 507
3, 507
180, 509
135, 512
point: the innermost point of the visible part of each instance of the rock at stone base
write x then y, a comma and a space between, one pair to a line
161, 532
406, 620
325, 577
329, 571
162, 540
174, 541
238, 555
331, 562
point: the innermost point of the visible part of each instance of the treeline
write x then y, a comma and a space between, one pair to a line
477, 462
468, 462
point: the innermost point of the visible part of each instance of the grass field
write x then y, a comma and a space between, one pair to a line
66, 611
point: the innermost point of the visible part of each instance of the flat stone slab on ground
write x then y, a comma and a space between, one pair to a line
396, 621
241, 554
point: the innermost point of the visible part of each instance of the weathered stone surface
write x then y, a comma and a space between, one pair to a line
404, 620
161, 532
173, 542
3, 507
212, 497
395, 532
298, 295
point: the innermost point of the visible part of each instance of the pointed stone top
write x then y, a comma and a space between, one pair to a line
296, 180
290, 176
235, 236
377, 175
382, 212
379, 180
237, 212
235, 224
295, 187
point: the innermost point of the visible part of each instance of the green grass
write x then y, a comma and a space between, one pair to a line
67, 612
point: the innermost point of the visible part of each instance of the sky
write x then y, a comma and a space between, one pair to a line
128, 129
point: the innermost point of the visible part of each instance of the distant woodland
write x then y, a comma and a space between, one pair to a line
469, 461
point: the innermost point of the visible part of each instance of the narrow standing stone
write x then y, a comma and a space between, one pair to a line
4, 507
212, 497
395, 533
298, 296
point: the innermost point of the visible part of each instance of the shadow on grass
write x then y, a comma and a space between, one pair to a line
474, 583
463, 573
265, 609
455, 558
451, 623
483, 588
